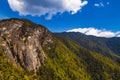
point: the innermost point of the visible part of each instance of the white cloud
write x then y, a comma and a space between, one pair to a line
119, 35
46, 7
96, 32
99, 4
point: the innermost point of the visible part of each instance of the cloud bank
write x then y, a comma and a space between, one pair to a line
96, 32
46, 7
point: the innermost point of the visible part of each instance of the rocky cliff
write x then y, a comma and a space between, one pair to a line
22, 42
58, 57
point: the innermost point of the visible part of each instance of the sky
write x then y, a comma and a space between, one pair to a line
65, 15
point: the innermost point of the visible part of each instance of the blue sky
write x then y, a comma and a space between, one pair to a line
100, 14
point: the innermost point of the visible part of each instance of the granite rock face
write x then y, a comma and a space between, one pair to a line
22, 42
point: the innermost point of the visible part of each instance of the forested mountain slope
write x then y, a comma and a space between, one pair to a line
29, 51
109, 47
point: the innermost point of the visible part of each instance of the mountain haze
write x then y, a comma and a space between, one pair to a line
29, 51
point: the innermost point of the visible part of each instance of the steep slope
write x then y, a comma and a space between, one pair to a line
46, 56
22, 42
109, 47
114, 45
98, 66
8, 71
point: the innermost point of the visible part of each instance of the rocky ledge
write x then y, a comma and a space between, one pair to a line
22, 42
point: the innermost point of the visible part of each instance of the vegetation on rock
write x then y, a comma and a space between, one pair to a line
63, 58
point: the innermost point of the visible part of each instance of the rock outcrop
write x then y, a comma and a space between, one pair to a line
22, 42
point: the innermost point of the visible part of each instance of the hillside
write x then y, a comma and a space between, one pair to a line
109, 47
29, 51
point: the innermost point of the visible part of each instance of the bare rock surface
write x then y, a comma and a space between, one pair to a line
22, 42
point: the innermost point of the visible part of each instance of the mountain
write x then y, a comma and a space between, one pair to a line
109, 47
29, 51
22, 42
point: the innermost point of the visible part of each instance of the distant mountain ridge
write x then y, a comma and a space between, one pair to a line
105, 46
29, 51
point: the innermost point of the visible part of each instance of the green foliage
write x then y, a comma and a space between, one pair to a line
8, 71
98, 66
111, 68
109, 47
68, 61
62, 64
92, 66
65, 61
